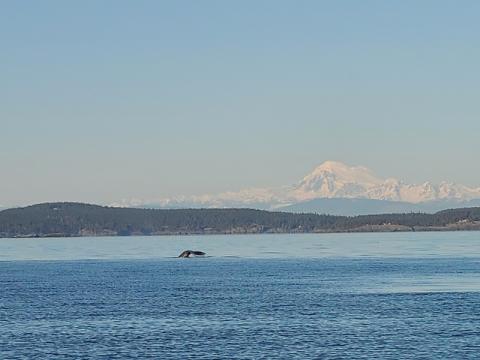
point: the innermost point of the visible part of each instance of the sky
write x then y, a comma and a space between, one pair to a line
109, 100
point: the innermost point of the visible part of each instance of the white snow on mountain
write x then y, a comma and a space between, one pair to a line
332, 179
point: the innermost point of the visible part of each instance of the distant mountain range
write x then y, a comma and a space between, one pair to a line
335, 188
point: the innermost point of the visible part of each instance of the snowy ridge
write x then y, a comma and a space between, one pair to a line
330, 180
337, 180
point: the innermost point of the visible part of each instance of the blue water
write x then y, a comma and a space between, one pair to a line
349, 296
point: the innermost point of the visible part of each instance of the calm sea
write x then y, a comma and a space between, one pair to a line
329, 296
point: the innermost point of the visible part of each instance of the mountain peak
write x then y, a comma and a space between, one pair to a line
332, 165
336, 179
341, 169
332, 179
338, 167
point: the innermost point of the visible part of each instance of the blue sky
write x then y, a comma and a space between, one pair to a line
103, 100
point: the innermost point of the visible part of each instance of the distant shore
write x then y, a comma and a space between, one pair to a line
81, 220
366, 229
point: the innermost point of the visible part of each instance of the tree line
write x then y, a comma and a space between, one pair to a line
76, 219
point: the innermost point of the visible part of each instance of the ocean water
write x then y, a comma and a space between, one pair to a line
330, 296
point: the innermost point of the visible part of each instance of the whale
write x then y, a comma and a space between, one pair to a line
188, 253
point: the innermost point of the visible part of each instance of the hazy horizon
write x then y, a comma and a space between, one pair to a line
120, 100
312, 187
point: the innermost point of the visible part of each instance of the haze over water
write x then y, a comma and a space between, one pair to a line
389, 295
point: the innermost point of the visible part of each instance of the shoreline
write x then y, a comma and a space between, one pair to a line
81, 220
369, 229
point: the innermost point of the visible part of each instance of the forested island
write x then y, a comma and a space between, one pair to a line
76, 219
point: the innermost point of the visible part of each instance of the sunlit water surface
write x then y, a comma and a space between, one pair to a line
388, 296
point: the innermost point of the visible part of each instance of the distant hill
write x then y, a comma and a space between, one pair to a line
75, 219
353, 207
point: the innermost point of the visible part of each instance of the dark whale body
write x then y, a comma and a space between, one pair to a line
188, 253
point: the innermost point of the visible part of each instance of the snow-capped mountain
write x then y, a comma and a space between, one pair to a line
337, 180
330, 180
